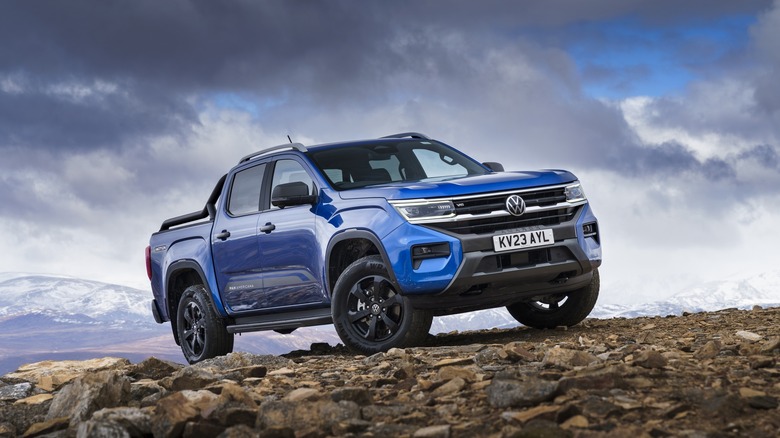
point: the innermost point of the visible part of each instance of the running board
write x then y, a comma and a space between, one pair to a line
281, 321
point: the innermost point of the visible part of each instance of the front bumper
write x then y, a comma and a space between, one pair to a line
487, 279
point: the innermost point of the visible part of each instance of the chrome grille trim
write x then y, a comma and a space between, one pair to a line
497, 210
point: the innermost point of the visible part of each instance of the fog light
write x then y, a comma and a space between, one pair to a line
591, 230
429, 251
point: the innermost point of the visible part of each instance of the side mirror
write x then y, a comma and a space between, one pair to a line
495, 167
292, 194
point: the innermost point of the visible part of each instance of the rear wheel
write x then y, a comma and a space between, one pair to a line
370, 315
202, 333
551, 311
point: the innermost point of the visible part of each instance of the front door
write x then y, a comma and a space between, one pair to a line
289, 248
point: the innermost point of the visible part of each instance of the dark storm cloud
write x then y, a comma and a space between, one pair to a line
766, 34
42, 118
555, 13
86, 76
765, 155
115, 115
670, 158
162, 56
185, 45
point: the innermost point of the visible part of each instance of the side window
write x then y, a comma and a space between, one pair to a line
288, 171
245, 192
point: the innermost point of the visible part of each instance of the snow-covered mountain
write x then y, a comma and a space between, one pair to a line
740, 292
479, 320
106, 303
58, 317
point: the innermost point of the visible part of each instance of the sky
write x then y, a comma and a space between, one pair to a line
117, 115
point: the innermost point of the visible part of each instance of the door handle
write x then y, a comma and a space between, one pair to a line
223, 235
267, 228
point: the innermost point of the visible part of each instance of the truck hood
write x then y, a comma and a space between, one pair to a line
493, 182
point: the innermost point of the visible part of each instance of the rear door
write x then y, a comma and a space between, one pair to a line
234, 242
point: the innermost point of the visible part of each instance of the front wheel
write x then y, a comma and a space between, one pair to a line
370, 315
555, 310
202, 333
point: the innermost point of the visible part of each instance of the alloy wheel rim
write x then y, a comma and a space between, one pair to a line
194, 329
374, 309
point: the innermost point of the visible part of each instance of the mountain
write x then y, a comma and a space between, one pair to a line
46, 317
479, 320
103, 303
57, 317
740, 292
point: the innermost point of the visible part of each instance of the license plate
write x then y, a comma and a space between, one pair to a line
528, 239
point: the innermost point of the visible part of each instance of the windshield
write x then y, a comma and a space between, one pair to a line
411, 160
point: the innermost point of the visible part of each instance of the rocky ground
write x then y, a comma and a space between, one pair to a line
698, 375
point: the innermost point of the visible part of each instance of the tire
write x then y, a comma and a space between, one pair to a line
202, 333
370, 315
559, 309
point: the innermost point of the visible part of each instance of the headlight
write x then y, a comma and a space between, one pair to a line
574, 192
425, 209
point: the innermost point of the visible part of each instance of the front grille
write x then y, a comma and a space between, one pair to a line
502, 223
490, 203
486, 205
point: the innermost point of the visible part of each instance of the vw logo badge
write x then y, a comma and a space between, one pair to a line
515, 205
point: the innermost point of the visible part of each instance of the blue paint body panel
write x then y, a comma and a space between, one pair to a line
255, 272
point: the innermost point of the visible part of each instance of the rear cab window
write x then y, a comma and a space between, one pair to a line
245, 191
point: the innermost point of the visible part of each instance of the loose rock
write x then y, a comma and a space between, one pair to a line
514, 393
89, 393
644, 377
750, 336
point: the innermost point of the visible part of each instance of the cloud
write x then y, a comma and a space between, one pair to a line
141, 81
106, 74
114, 119
83, 114
766, 34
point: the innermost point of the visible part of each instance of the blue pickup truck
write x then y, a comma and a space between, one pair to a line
376, 237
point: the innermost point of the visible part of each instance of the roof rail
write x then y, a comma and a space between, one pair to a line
297, 146
408, 134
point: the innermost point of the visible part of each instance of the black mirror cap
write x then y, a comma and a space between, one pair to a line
495, 167
292, 194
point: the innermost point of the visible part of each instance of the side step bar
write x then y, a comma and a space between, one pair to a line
281, 321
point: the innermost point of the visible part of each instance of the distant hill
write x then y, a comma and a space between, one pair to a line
57, 317
741, 293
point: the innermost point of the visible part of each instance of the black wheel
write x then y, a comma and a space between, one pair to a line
370, 315
558, 310
201, 331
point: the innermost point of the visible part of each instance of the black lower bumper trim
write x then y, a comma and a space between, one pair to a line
499, 294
